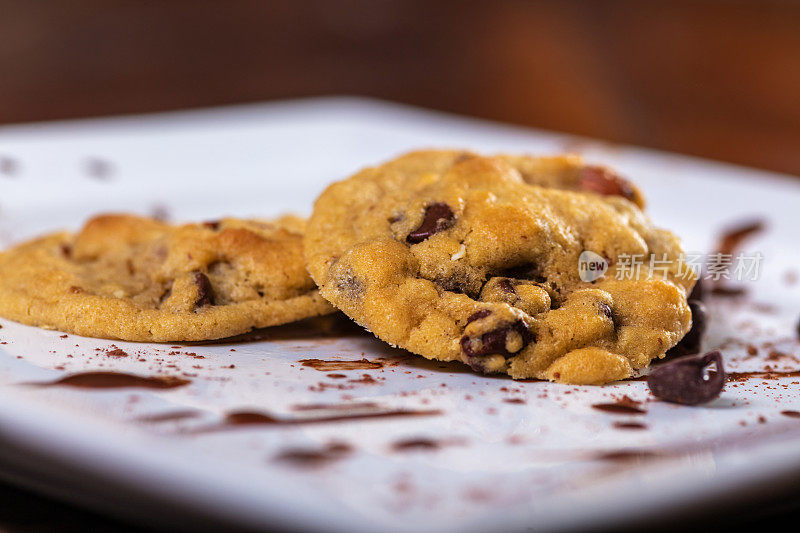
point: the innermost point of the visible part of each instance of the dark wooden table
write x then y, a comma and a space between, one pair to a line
716, 79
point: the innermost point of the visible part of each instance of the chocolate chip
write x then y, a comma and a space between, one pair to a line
66, 250
527, 271
603, 181
477, 315
75, 289
205, 292
495, 342
688, 380
692, 342
438, 217
212, 224
460, 283
507, 286
606, 311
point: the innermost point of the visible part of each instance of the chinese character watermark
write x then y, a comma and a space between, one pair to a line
743, 266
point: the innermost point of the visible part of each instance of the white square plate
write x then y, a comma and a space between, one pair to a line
498, 455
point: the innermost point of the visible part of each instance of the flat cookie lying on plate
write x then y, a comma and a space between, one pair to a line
456, 257
139, 279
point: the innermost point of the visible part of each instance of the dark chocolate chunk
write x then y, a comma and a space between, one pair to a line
494, 341
205, 292
605, 309
528, 271
477, 315
438, 217
507, 286
689, 380
603, 181
453, 284
698, 291
692, 342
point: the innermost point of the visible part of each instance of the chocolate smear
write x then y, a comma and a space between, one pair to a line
205, 292
335, 406
327, 366
418, 444
629, 425
729, 243
791, 414
689, 379
628, 455
256, 418
728, 292
731, 240
115, 380
99, 169
438, 217
170, 416
623, 406
314, 458
762, 374
8, 166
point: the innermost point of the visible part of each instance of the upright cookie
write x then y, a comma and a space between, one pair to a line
456, 257
134, 278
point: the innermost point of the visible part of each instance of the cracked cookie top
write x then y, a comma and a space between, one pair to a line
456, 256
135, 278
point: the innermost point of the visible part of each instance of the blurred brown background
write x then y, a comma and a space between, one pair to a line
714, 78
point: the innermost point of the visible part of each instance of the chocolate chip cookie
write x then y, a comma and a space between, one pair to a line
460, 257
133, 278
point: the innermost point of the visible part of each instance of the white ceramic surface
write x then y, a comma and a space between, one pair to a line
540, 461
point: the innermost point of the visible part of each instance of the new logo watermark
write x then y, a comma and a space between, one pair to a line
591, 266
